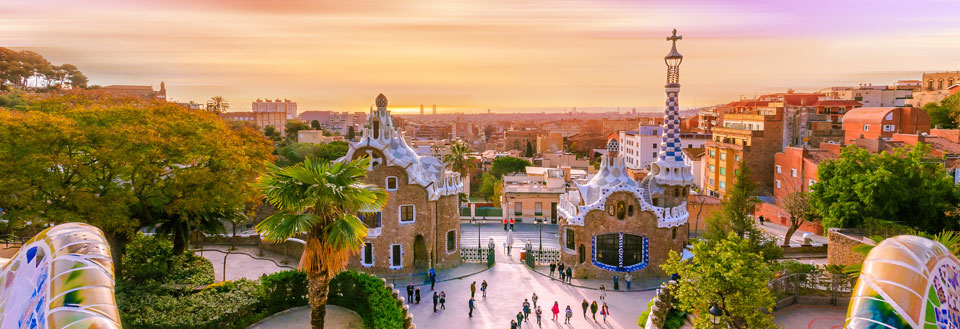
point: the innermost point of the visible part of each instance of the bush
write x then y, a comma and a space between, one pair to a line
283, 290
366, 294
228, 305
150, 260
642, 321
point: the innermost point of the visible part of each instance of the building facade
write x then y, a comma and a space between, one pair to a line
883, 122
288, 108
750, 138
935, 87
261, 120
419, 228
641, 148
144, 92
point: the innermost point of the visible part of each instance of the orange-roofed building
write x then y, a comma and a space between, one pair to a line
883, 122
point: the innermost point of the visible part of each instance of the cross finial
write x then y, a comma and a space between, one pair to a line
674, 37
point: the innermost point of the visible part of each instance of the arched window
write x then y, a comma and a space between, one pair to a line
630, 210
583, 254
674, 234
620, 252
621, 210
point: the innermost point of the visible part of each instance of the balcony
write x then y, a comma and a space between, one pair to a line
374, 232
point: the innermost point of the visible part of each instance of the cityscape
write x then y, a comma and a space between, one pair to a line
528, 164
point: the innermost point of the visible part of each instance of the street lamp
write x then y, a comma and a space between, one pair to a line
715, 314
540, 222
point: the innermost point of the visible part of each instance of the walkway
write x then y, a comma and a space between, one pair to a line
522, 232
780, 232
811, 317
299, 318
245, 262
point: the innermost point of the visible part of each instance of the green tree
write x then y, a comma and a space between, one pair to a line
321, 199
488, 184
727, 274
529, 151
218, 104
351, 134
294, 126
123, 164
315, 125
737, 208
508, 165
458, 159
911, 188
272, 133
297, 152
944, 114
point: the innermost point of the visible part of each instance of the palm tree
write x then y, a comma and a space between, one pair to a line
320, 199
217, 104
458, 160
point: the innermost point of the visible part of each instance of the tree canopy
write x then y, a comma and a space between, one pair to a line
945, 114
727, 274
123, 164
19, 67
911, 188
508, 165
297, 152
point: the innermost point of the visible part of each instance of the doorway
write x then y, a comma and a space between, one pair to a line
419, 253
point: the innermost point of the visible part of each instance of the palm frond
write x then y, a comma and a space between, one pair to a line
346, 233
853, 270
862, 249
283, 225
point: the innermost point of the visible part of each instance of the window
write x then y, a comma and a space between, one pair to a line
569, 242
723, 171
538, 208
518, 208
778, 183
711, 182
654, 145
621, 210
396, 256
620, 252
673, 234
713, 168
367, 254
713, 153
778, 169
736, 157
811, 182
689, 146
653, 155
392, 183
929, 84
793, 172
889, 116
630, 211
866, 127
408, 213
451, 241
608, 249
723, 156
889, 128
723, 185
370, 220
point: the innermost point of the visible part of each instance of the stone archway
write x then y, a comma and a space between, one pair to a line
420, 260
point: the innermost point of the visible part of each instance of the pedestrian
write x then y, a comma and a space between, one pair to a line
519, 319
433, 279
593, 309
513, 323
604, 311
603, 292
511, 223
417, 294
526, 310
443, 300
470, 304
761, 220
555, 310
436, 299
562, 278
628, 278
534, 298
585, 306
473, 289
616, 282
553, 267
483, 288
569, 314
504, 224
540, 314
569, 275
509, 241
409, 292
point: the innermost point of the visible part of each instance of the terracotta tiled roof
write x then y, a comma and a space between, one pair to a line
817, 155
867, 114
837, 102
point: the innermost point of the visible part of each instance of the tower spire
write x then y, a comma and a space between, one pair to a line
670, 168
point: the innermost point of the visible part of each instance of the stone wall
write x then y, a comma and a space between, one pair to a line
598, 222
840, 243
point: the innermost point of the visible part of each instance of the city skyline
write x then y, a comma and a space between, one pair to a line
470, 56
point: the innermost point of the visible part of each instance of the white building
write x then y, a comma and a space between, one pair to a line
640, 148
285, 106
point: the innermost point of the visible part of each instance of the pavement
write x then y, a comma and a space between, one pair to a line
780, 232
245, 262
521, 233
811, 317
299, 318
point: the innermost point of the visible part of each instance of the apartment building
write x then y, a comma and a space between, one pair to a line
752, 138
883, 122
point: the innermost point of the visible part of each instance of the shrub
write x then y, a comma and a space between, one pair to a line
150, 260
283, 290
228, 305
366, 294
642, 321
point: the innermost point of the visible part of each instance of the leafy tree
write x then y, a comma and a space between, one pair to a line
529, 151
321, 199
458, 159
946, 114
294, 126
315, 125
271, 133
121, 165
488, 183
351, 134
738, 205
728, 274
859, 189
297, 152
217, 104
797, 204
508, 165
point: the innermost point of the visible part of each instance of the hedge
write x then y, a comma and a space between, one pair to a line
366, 294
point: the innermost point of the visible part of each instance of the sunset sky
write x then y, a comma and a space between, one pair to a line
470, 55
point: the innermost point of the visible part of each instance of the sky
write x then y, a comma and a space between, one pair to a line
474, 55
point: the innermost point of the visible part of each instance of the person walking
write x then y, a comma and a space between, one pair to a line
555, 310
562, 278
553, 267
761, 220
433, 279
526, 310
436, 299
443, 300
519, 319
417, 294
616, 282
585, 306
628, 278
593, 310
569, 314
509, 241
604, 311
473, 289
603, 292
513, 323
540, 314
569, 275
483, 288
409, 292
470, 304
534, 299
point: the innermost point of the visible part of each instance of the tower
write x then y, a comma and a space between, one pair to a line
434, 109
671, 175
421, 109
163, 91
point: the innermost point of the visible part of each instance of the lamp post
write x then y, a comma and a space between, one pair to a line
539, 222
715, 314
